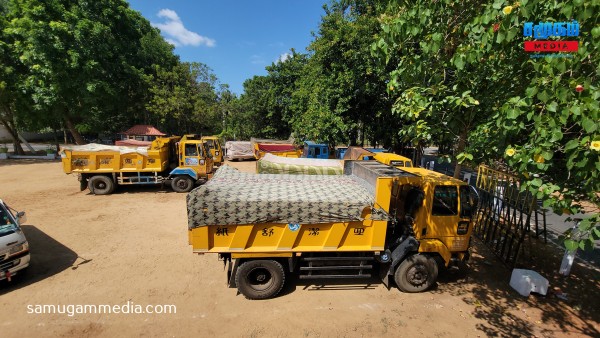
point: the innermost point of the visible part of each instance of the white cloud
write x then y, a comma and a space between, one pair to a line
177, 34
283, 57
257, 59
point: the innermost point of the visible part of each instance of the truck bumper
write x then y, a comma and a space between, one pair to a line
14, 265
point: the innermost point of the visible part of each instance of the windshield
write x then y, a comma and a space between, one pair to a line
211, 144
7, 224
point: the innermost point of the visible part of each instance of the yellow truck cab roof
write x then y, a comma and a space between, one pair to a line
430, 175
391, 159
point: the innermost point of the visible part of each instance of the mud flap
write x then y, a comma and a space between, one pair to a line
82, 183
408, 245
231, 271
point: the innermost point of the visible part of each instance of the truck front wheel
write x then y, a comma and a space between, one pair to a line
260, 279
416, 273
182, 184
101, 185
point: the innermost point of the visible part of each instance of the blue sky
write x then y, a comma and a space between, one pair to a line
236, 38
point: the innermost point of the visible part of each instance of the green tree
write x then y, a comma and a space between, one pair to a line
461, 67
82, 59
342, 95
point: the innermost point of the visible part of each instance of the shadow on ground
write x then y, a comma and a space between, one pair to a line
569, 308
48, 257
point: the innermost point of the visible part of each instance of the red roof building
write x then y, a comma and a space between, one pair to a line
141, 132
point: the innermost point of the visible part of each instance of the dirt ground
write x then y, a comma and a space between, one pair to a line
132, 247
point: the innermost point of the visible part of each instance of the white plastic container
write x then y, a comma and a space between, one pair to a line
527, 281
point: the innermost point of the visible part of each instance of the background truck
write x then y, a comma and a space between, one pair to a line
315, 150
14, 248
239, 150
276, 147
267, 226
184, 161
214, 147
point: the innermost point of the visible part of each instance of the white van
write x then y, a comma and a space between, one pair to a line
14, 249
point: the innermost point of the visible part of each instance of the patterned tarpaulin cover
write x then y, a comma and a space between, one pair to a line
272, 164
232, 197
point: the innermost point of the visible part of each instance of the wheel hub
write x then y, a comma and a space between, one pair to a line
417, 275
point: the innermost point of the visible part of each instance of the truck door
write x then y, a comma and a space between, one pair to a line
192, 155
443, 211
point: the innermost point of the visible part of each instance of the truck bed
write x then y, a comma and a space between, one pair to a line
254, 214
99, 158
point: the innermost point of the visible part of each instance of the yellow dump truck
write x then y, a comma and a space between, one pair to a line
182, 161
275, 147
214, 147
268, 226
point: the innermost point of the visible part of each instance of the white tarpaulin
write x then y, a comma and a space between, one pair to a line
103, 147
238, 150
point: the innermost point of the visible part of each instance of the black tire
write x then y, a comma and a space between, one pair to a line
260, 279
101, 185
416, 273
182, 184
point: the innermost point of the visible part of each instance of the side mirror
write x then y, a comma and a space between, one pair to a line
473, 200
21, 218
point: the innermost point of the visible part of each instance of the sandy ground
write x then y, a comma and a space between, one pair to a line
131, 248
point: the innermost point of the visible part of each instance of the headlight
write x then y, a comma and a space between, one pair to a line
18, 248
463, 228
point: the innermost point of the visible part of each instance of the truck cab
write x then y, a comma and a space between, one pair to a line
14, 248
194, 163
444, 222
214, 147
315, 150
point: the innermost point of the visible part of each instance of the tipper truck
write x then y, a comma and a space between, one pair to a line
373, 218
182, 161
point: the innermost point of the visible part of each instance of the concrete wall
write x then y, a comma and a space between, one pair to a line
31, 137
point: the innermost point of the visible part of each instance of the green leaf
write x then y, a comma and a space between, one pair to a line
596, 232
589, 125
531, 91
552, 106
571, 245
513, 113
500, 37
587, 245
543, 96
459, 63
557, 135
572, 145
511, 34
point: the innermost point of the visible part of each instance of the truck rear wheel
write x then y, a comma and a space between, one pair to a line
101, 185
416, 273
182, 184
260, 279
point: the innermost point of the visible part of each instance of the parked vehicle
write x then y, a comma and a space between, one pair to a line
239, 150
275, 147
182, 161
14, 248
316, 226
315, 150
214, 146
357, 153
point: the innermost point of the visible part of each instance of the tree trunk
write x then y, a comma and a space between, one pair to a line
462, 142
18, 150
76, 135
